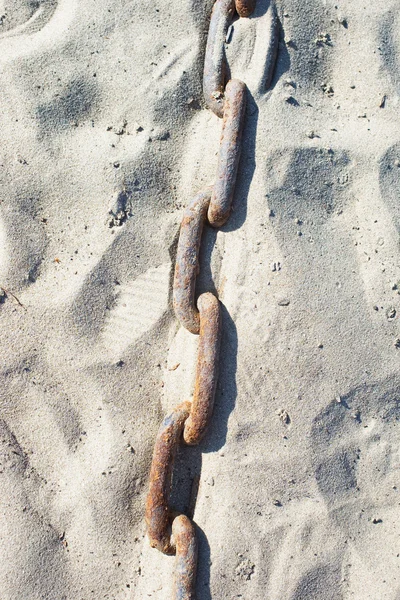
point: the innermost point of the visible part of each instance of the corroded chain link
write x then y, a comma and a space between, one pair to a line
167, 532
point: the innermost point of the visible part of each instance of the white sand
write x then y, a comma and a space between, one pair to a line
101, 110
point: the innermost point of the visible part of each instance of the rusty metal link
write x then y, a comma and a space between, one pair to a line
187, 261
206, 369
244, 8
215, 66
158, 514
184, 536
229, 153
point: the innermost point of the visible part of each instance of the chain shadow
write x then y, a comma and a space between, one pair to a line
185, 485
282, 61
188, 464
203, 566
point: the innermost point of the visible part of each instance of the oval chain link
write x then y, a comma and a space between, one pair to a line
168, 532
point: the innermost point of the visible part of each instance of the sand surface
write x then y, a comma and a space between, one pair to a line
104, 139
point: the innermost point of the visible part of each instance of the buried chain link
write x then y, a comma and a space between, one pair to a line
168, 532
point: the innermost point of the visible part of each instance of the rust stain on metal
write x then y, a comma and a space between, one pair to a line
184, 535
215, 60
158, 515
229, 153
187, 261
206, 369
244, 8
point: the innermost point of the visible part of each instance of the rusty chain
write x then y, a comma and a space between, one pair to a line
168, 532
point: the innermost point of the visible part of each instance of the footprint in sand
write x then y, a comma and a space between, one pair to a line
24, 16
357, 467
39, 551
354, 438
139, 306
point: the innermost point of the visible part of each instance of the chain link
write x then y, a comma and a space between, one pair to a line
215, 66
158, 513
187, 261
184, 533
229, 153
206, 369
169, 533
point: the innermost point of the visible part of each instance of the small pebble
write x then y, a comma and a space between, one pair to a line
391, 313
323, 38
245, 569
291, 100
327, 89
284, 416
284, 302
275, 266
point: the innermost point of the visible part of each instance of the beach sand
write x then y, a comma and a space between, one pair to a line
105, 138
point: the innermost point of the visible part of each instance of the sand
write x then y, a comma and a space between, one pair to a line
104, 140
